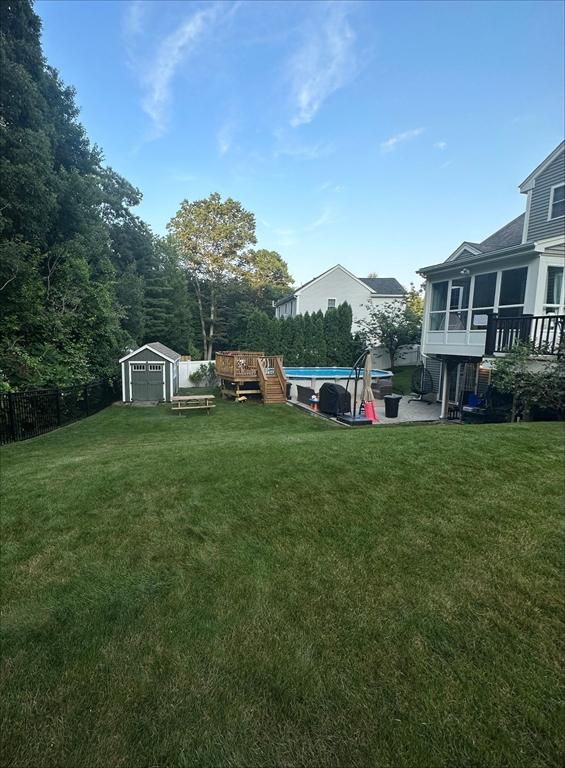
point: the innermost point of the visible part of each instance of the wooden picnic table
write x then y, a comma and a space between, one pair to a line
193, 403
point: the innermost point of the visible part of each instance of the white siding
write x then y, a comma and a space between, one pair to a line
339, 285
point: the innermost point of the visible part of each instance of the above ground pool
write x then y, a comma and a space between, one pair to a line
305, 382
330, 373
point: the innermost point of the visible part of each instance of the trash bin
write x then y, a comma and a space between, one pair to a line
391, 405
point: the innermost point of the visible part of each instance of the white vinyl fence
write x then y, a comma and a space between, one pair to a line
408, 355
186, 369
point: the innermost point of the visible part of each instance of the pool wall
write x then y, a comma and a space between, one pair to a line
315, 381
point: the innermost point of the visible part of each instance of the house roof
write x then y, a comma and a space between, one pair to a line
156, 346
382, 286
506, 237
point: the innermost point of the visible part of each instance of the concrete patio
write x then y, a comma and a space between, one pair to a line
408, 413
416, 411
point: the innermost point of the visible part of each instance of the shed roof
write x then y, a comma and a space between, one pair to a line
156, 346
163, 350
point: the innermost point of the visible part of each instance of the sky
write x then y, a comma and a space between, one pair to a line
378, 135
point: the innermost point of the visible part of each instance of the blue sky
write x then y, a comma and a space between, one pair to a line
378, 135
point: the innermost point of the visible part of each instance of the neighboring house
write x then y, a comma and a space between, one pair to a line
488, 296
333, 287
150, 373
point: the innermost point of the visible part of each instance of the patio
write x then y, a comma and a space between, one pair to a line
408, 412
416, 411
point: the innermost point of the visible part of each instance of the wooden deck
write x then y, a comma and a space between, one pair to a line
245, 373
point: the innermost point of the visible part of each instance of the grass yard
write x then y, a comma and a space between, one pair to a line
402, 382
259, 588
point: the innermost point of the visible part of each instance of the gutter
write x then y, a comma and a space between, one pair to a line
481, 258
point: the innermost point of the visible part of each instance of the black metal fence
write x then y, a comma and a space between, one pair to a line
28, 414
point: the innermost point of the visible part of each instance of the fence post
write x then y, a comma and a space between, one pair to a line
58, 405
12, 412
86, 398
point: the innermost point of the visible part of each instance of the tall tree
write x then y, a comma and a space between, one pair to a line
61, 319
212, 237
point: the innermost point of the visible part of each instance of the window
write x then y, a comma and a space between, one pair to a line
483, 299
138, 367
458, 304
331, 303
155, 366
557, 202
438, 306
512, 292
554, 291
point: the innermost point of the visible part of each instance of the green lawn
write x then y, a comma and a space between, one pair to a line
402, 382
260, 588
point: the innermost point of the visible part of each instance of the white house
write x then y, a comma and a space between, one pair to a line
335, 286
508, 288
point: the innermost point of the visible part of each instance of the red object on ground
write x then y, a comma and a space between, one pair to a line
370, 412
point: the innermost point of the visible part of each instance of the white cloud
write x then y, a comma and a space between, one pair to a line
326, 62
134, 17
440, 145
224, 138
288, 144
322, 219
399, 138
171, 52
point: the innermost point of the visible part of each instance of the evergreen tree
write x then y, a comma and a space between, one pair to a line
317, 340
257, 336
130, 291
344, 340
332, 336
296, 351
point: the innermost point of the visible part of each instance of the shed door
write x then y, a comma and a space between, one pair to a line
147, 380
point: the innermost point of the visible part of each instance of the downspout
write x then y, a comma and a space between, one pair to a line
444, 391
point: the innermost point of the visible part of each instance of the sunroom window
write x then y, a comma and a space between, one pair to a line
438, 306
554, 291
483, 299
557, 202
459, 303
512, 292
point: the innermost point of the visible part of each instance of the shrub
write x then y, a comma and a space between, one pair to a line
204, 376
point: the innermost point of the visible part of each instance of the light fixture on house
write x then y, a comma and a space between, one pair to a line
465, 271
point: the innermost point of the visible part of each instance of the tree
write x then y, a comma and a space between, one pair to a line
258, 332
332, 336
61, 319
415, 300
392, 326
212, 237
344, 339
529, 387
267, 274
317, 339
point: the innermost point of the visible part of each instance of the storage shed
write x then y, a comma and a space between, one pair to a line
150, 373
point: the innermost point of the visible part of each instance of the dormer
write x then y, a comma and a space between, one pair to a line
545, 207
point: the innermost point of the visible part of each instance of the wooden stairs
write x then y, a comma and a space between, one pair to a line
271, 380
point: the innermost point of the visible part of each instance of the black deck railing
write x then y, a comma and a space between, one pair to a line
28, 414
545, 334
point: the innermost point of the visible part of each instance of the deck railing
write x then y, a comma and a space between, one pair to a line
545, 334
237, 365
